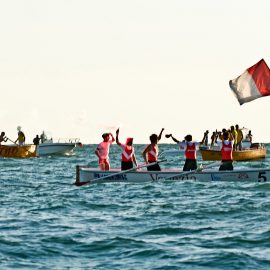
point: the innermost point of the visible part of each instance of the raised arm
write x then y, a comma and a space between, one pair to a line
171, 136
160, 134
112, 138
203, 139
117, 140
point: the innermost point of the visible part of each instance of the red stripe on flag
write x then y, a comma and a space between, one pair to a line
261, 75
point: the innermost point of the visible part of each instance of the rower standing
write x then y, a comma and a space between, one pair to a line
152, 152
190, 148
226, 152
102, 151
128, 153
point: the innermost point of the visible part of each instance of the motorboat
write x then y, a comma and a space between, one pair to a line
59, 147
49, 146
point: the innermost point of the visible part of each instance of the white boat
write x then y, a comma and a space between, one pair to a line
50, 146
87, 175
62, 146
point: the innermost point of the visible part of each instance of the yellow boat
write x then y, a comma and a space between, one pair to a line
16, 151
257, 152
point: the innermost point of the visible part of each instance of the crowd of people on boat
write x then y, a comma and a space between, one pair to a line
237, 134
228, 140
21, 138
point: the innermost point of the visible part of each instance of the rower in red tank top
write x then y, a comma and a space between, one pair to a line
190, 151
190, 148
226, 152
151, 151
128, 153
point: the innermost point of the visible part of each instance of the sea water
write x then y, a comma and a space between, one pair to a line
48, 223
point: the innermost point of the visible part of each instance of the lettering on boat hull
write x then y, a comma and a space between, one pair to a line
113, 177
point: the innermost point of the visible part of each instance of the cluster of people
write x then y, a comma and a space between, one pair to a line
228, 140
237, 134
21, 137
226, 145
149, 154
42, 138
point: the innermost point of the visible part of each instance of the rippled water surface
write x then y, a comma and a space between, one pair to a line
48, 223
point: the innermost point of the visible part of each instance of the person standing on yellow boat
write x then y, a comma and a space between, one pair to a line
234, 134
249, 137
239, 138
21, 136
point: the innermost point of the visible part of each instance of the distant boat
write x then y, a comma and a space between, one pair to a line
16, 151
256, 151
50, 146
61, 147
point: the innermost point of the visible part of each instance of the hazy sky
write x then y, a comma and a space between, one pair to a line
80, 68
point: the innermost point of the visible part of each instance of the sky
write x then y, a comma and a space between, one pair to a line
79, 68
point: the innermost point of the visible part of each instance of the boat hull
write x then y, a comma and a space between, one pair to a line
15, 151
247, 154
93, 175
55, 148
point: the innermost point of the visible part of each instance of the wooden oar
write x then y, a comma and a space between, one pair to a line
171, 152
79, 183
12, 141
193, 171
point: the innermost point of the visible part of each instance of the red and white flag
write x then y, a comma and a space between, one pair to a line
253, 83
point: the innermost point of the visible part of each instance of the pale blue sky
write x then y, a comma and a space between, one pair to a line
80, 68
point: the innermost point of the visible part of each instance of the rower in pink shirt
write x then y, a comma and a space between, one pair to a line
102, 151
